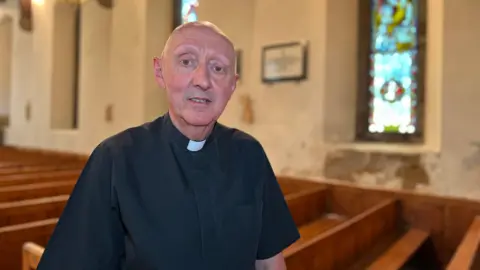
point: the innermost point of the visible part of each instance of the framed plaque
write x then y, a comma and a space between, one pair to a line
284, 62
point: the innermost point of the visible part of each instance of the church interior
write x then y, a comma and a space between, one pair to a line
359, 105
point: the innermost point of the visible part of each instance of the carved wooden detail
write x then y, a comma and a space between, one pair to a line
106, 3
247, 115
109, 113
28, 111
26, 20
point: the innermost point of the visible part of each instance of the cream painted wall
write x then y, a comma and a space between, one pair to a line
116, 47
460, 133
6, 38
298, 123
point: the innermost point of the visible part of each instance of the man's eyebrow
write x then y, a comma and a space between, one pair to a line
223, 59
184, 47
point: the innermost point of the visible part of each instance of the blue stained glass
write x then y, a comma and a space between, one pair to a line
189, 10
393, 66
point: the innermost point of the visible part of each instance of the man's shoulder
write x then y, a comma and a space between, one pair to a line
240, 139
136, 137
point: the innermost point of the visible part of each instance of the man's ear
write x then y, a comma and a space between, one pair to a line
157, 68
234, 86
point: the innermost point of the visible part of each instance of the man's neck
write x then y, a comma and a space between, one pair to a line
194, 133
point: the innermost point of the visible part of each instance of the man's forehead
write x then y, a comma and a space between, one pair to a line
200, 34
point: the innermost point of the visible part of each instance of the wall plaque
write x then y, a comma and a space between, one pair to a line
284, 62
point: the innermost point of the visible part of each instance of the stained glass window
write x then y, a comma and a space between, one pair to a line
393, 81
189, 10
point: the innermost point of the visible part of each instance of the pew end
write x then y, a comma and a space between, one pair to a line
31, 254
466, 254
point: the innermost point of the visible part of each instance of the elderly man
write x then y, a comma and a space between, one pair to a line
183, 191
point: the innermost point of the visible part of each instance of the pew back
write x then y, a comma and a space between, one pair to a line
12, 239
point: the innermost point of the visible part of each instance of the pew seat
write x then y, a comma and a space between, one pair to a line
395, 257
339, 247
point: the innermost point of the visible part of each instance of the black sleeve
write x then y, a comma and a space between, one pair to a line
278, 227
89, 233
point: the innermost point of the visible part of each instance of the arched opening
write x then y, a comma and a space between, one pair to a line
6, 39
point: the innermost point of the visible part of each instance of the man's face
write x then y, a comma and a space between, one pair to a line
198, 72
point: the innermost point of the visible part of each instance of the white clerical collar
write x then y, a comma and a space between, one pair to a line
195, 146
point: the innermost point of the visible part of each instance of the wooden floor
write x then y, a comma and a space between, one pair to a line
341, 226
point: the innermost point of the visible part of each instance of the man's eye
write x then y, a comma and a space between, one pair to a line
218, 69
186, 62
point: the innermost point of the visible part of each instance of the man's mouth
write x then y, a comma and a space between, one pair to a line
200, 100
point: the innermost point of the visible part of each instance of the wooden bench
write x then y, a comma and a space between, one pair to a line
39, 168
18, 212
38, 178
290, 186
12, 239
465, 256
31, 254
401, 251
340, 246
309, 211
306, 205
37, 190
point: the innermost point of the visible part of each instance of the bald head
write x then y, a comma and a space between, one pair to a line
207, 27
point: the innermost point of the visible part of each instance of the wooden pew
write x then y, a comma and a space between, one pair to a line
466, 255
12, 239
290, 186
38, 178
37, 190
40, 168
340, 246
309, 211
399, 253
18, 212
307, 205
31, 254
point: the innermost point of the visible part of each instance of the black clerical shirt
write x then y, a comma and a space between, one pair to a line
145, 202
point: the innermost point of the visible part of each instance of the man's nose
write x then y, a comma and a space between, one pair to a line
201, 77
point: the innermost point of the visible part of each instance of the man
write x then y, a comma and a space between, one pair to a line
183, 191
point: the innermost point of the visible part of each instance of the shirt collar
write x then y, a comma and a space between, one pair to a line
173, 135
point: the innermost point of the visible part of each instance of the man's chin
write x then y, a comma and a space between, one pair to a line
199, 119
